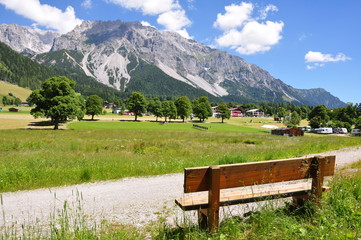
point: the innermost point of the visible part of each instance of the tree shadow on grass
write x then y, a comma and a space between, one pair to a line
90, 120
42, 125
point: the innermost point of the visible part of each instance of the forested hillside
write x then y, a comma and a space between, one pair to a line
22, 71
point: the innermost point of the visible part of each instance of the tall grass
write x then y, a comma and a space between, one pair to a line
43, 158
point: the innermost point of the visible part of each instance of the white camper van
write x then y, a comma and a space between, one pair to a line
356, 132
340, 130
323, 130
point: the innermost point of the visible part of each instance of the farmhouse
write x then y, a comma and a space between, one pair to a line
255, 113
116, 110
289, 132
236, 112
108, 105
214, 111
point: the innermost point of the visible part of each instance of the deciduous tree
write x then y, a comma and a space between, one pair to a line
202, 108
223, 111
155, 107
137, 104
169, 110
57, 100
94, 105
184, 107
292, 120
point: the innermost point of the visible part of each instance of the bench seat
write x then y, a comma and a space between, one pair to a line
246, 195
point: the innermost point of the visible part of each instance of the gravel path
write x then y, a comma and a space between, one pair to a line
135, 201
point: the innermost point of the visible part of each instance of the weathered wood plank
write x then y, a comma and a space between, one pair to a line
200, 200
317, 173
214, 197
247, 174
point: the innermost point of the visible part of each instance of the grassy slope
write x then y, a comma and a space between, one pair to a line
6, 88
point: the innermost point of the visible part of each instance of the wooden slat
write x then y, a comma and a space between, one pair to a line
247, 174
200, 200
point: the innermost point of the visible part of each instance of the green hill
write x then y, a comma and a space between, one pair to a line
6, 88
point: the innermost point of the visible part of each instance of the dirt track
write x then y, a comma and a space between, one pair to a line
135, 201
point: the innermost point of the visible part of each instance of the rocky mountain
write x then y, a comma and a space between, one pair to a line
22, 71
131, 57
26, 40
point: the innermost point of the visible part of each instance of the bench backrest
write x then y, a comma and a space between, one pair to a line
247, 174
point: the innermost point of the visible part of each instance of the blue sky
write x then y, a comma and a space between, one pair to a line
306, 44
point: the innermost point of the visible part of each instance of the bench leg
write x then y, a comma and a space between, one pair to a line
213, 198
202, 218
299, 200
317, 170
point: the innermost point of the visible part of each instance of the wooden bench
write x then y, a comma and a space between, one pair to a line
199, 126
215, 178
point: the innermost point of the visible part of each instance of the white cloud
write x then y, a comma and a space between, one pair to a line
146, 24
245, 34
235, 16
148, 7
315, 65
264, 12
190, 4
304, 36
319, 59
87, 4
170, 14
174, 20
44, 15
253, 38
183, 32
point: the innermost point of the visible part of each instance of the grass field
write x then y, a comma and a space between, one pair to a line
6, 88
171, 126
43, 158
115, 147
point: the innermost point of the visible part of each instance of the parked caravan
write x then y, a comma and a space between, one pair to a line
306, 128
324, 130
356, 132
340, 130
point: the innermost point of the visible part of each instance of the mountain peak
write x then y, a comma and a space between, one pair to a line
27, 40
118, 54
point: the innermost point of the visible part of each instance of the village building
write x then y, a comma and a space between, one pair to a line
236, 112
214, 111
255, 113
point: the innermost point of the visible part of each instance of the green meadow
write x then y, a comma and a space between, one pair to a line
102, 150
93, 151
158, 126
